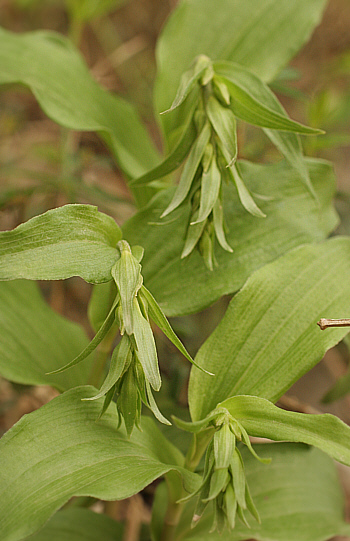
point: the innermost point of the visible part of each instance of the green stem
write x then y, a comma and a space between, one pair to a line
175, 488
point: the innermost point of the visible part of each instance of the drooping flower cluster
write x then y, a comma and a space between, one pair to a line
224, 482
133, 370
215, 94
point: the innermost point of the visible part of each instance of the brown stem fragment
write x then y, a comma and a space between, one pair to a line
326, 323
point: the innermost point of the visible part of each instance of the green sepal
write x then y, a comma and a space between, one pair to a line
224, 123
196, 426
108, 399
189, 170
137, 252
238, 478
128, 403
210, 189
146, 347
188, 80
224, 445
99, 336
174, 160
243, 192
157, 315
218, 221
242, 517
194, 233
120, 360
127, 275
153, 406
251, 505
218, 482
231, 506
221, 92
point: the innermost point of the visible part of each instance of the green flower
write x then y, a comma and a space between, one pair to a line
224, 482
217, 93
133, 370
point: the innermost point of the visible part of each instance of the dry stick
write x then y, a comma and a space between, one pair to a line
325, 323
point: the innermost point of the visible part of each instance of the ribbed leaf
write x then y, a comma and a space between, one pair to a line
186, 286
57, 75
262, 36
77, 524
269, 336
74, 240
298, 496
261, 418
35, 339
60, 451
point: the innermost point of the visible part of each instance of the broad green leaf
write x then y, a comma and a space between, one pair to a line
298, 497
35, 339
287, 143
262, 36
189, 170
269, 336
186, 286
74, 240
261, 418
210, 187
175, 158
60, 451
224, 124
78, 524
97, 339
55, 72
146, 348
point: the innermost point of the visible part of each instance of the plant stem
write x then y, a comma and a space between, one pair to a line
175, 488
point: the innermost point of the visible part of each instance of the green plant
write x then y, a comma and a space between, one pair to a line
250, 230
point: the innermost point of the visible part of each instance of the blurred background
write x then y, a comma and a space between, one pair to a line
43, 166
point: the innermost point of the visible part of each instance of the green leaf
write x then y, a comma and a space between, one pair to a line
261, 36
210, 187
251, 100
78, 524
60, 451
287, 143
57, 75
298, 497
189, 170
146, 348
224, 123
261, 418
97, 339
35, 339
186, 286
263, 355
74, 240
